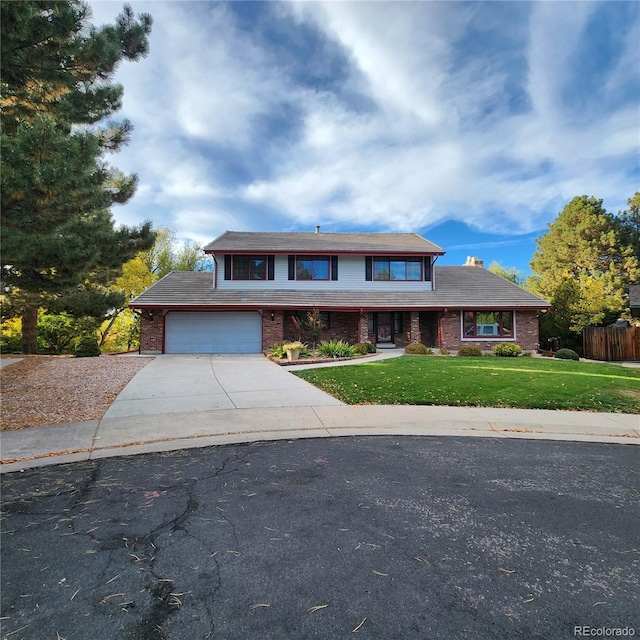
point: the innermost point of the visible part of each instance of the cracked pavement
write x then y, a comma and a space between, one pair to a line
385, 537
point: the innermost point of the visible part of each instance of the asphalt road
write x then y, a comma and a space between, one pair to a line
385, 537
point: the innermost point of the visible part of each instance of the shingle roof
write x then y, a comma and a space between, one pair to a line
456, 288
274, 242
634, 296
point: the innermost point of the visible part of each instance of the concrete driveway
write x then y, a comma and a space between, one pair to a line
186, 383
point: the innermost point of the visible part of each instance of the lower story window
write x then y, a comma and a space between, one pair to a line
488, 324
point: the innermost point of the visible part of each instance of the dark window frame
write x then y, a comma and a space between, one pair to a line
249, 259
391, 259
471, 318
313, 259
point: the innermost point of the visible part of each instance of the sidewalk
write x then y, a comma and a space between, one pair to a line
41, 446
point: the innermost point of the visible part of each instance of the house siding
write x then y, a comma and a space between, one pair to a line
351, 276
526, 332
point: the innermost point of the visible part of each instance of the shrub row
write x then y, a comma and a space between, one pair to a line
502, 350
326, 349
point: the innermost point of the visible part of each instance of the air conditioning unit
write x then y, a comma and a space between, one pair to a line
488, 329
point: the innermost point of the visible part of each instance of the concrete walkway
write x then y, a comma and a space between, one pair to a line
178, 402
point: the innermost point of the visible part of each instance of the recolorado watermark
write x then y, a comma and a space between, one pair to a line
603, 632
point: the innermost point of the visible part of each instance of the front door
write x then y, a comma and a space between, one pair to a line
384, 327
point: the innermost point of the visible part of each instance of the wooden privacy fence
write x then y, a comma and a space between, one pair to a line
611, 343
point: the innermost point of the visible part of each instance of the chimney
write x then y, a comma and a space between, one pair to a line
472, 261
317, 228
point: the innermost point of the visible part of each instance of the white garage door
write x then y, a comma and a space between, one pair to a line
213, 332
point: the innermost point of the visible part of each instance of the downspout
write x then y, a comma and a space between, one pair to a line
215, 271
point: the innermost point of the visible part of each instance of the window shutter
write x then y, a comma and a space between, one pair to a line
270, 268
334, 267
427, 268
368, 268
292, 267
227, 267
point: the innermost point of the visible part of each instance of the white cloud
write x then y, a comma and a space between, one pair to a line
417, 127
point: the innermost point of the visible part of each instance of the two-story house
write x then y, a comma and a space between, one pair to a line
383, 288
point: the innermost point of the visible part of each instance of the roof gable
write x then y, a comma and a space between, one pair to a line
293, 242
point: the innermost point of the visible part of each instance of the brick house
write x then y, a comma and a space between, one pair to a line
383, 288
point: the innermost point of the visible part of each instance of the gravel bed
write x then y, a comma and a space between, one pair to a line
43, 390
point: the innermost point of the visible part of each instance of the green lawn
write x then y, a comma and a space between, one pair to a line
528, 383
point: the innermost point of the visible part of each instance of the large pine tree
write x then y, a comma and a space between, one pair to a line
60, 247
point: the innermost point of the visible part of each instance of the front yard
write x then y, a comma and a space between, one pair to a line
526, 383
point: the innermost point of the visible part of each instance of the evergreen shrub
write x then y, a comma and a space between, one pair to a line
567, 354
470, 351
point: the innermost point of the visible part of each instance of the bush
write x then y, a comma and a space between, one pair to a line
276, 351
567, 354
418, 349
363, 348
336, 349
292, 346
444, 352
507, 350
470, 351
10, 336
279, 349
87, 347
57, 332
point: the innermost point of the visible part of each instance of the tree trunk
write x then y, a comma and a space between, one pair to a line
29, 329
105, 333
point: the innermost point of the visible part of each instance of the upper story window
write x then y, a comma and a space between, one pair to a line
249, 267
397, 268
241, 267
488, 324
312, 267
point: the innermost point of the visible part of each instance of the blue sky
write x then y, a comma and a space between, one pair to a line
472, 124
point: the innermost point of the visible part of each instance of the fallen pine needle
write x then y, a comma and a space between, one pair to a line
528, 600
318, 607
378, 573
258, 606
359, 626
113, 595
74, 595
112, 579
509, 571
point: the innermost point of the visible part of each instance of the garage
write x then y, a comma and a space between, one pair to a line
213, 332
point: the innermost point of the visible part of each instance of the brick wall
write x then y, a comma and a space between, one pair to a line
342, 326
364, 328
272, 330
152, 333
527, 332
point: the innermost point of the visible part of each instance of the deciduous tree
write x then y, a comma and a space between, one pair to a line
513, 274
